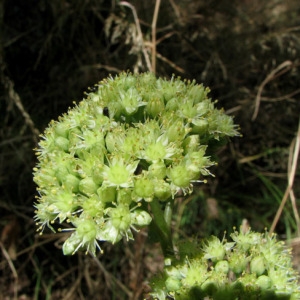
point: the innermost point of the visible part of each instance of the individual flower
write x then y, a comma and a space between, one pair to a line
159, 150
197, 163
85, 236
157, 170
119, 173
175, 128
180, 176
163, 190
144, 188
131, 100
44, 216
155, 105
238, 261
246, 240
257, 265
92, 207
214, 249
120, 223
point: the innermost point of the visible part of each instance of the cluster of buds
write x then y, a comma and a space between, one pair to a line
135, 139
253, 266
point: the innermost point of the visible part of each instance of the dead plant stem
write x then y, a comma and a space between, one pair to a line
140, 34
273, 74
288, 190
153, 27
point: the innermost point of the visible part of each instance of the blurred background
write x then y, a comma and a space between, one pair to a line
246, 51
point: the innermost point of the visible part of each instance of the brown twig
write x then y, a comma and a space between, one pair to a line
139, 31
285, 97
109, 278
291, 178
15, 98
169, 62
287, 65
153, 27
13, 269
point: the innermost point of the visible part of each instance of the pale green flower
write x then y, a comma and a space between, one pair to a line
131, 100
121, 221
119, 173
85, 236
159, 150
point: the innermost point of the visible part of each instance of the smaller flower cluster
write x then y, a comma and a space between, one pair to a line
253, 266
135, 139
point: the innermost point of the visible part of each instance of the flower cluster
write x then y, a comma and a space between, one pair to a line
253, 266
134, 139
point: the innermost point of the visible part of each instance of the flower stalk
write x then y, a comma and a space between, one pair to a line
162, 229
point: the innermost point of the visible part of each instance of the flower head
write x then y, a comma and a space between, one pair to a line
223, 270
134, 139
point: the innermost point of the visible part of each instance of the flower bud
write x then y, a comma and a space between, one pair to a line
106, 194
140, 217
124, 196
61, 173
238, 262
71, 244
71, 183
155, 106
222, 266
62, 143
180, 176
61, 129
172, 104
144, 188
191, 143
93, 207
200, 126
176, 131
173, 284
157, 170
97, 173
88, 186
114, 139
120, 217
257, 265
264, 282
162, 190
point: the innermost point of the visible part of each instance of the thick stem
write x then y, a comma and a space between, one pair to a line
160, 229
